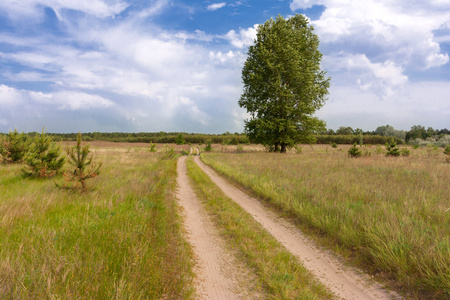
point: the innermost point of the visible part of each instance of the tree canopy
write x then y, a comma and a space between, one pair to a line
284, 84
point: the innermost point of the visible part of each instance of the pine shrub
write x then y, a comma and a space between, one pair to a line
354, 151
208, 147
14, 146
44, 157
447, 150
152, 147
392, 149
84, 168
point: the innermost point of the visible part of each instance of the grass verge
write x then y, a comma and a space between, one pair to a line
391, 216
121, 240
280, 273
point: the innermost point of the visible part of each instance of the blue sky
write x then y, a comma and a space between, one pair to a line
175, 65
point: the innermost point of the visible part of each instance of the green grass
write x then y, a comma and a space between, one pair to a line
391, 216
278, 271
121, 240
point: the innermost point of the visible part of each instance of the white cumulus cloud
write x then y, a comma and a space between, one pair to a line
34, 8
243, 38
216, 6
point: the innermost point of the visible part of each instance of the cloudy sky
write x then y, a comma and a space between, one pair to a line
175, 65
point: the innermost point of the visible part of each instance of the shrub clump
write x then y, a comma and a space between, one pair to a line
44, 157
208, 147
152, 147
447, 150
392, 149
14, 146
354, 151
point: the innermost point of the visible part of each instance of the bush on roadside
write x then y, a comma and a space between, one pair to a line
208, 147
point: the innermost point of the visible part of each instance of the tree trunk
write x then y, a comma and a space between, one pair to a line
283, 148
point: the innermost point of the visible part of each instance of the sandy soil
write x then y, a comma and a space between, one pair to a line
345, 282
218, 275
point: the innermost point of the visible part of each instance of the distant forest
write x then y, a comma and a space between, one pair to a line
418, 135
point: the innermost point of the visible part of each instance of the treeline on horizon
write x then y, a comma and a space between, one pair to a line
344, 135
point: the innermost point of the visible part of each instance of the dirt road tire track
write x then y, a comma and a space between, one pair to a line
215, 278
345, 282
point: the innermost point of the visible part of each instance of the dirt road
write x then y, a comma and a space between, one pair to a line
346, 283
217, 274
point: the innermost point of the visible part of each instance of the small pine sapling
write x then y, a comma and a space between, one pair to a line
392, 149
14, 146
43, 158
208, 147
152, 147
79, 158
354, 151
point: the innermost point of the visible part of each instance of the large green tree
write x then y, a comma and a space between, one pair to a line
283, 84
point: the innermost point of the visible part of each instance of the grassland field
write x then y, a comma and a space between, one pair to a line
388, 215
121, 240
124, 239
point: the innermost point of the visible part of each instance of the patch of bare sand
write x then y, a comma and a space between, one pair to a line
344, 281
